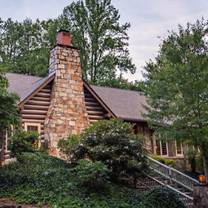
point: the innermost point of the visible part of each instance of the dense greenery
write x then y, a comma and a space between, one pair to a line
92, 175
177, 88
112, 142
40, 179
102, 40
23, 141
9, 114
162, 198
24, 46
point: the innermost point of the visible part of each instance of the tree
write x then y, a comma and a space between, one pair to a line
102, 40
122, 83
177, 88
8, 111
25, 46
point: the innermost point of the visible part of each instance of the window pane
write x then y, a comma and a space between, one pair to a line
32, 128
178, 147
158, 147
164, 147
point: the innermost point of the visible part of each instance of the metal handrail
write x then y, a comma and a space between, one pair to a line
172, 174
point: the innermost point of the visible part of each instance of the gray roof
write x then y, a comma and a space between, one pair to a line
24, 85
125, 104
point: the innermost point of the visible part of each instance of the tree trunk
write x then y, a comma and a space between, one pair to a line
205, 164
2, 153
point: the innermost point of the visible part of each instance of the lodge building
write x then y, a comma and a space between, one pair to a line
63, 103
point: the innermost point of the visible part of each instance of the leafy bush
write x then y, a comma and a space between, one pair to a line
67, 146
114, 143
162, 198
165, 161
90, 174
23, 141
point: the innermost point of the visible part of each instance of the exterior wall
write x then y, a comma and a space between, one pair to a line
34, 110
67, 112
95, 111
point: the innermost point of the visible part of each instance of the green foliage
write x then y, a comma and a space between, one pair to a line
25, 46
9, 114
38, 178
162, 198
67, 146
165, 161
177, 90
91, 175
114, 143
122, 84
102, 40
23, 141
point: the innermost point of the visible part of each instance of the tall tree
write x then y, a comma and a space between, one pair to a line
102, 40
25, 46
177, 87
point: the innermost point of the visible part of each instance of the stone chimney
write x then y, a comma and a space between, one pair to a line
67, 113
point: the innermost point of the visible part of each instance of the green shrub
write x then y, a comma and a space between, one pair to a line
23, 141
67, 146
165, 161
90, 174
114, 143
162, 198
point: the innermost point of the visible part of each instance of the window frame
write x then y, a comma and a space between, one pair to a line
176, 149
26, 124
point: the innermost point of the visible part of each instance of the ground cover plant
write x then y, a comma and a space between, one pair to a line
41, 179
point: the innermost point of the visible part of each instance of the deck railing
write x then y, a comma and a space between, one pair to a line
172, 174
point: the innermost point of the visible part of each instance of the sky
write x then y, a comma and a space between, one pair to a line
150, 20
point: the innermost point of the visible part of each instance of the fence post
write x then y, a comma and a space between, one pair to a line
200, 196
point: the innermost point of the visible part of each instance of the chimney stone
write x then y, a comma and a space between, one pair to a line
67, 112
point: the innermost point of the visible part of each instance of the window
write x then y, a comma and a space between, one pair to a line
32, 127
179, 148
161, 147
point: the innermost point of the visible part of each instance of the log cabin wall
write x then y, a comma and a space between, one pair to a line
35, 109
94, 110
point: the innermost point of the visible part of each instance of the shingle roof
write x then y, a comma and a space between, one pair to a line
24, 85
125, 104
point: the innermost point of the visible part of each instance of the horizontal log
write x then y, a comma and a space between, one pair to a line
91, 112
95, 108
94, 117
26, 120
38, 112
87, 103
90, 99
29, 116
43, 94
36, 102
41, 98
46, 90
37, 107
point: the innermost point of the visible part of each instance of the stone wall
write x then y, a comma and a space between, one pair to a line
67, 113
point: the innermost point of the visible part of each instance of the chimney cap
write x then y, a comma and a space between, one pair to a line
63, 38
63, 30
